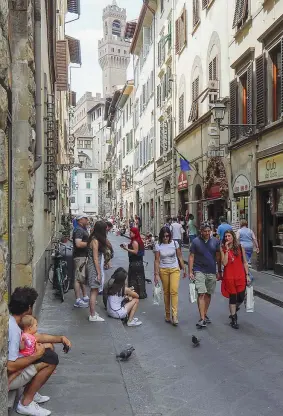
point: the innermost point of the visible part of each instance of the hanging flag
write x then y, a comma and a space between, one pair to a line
185, 165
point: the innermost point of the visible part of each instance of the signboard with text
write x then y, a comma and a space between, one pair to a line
241, 184
270, 168
182, 181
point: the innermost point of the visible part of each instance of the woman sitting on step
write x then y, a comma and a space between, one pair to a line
122, 302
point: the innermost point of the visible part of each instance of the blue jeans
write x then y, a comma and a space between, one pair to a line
249, 253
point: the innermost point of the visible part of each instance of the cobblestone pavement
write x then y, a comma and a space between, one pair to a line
232, 373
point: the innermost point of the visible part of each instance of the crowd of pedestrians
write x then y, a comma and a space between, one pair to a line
213, 255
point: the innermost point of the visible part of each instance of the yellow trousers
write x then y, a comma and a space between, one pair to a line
170, 279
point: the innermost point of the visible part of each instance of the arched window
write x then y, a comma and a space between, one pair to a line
116, 28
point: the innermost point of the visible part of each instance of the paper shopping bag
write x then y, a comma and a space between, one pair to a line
250, 303
193, 296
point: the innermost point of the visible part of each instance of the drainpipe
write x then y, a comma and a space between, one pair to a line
38, 83
174, 115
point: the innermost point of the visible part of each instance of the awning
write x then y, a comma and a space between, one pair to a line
74, 50
74, 6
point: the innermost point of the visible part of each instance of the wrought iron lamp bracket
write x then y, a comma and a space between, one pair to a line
242, 129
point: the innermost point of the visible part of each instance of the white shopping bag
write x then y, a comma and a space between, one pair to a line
193, 296
157, 294
250, 302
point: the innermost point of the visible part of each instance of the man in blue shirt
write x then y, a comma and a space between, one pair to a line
204, 254
223, 227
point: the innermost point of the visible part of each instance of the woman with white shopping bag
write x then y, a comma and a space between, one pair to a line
167, 265
235, 275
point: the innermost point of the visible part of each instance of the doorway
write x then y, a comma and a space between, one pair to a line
267, 229
216, 210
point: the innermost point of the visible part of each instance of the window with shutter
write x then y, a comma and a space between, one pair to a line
196, 14
169, 29
194, 113
161, 139
241, 13
181, 113
250, 94
233, 107
260, 91
204, 3
274, 71
177, 32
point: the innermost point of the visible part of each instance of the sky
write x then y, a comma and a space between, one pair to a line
88, 29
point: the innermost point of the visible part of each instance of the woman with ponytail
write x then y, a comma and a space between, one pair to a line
136, 276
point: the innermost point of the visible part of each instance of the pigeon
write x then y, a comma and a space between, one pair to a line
125, 354
195, 341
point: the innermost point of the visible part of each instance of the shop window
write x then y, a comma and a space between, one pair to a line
242, 207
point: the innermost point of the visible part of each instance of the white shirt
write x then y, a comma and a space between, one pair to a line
177, 231
14, 339
168, 257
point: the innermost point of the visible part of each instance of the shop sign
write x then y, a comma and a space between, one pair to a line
214, 192
270, 168
182, 181
241, 184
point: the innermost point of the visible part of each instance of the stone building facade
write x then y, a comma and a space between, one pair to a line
5, 108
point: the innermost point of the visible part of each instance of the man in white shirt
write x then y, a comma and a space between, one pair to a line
33, 371
177, 231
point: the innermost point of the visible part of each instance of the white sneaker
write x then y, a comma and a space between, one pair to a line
134, 323
32, 410
85, 299
38, 398
96, 318
80, 304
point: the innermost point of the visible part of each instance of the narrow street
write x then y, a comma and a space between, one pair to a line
231, 373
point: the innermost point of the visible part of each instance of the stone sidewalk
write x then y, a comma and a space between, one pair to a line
89, 380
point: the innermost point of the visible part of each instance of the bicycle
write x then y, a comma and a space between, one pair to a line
58, 272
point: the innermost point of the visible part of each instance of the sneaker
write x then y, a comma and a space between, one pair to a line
134, 323
207, 320
96, 318
38, 398
85, 299
175, 321
201, 324
80, 304
33, 409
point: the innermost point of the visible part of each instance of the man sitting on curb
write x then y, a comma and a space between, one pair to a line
33, 371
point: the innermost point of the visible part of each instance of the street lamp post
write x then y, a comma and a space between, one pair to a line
218, 113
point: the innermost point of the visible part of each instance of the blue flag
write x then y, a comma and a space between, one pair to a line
185, 165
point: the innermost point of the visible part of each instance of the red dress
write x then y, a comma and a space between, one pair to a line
234, 276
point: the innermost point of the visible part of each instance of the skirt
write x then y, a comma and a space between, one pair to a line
136, 278
92, 275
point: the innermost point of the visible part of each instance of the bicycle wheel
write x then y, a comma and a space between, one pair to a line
60, 283
65, 281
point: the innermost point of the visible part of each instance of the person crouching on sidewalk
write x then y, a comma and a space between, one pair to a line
236, 274
166, 266
122, 301
204, 254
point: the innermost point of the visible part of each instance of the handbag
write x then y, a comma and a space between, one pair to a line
179, 263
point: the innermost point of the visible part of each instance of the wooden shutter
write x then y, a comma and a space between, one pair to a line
250, 94
233, 107
204, 3
195, 12
260, 91
159, 53
184, 28
181, 113
241, 10
61, 65
177, 31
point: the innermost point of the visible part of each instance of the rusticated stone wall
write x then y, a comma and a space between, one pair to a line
4, 234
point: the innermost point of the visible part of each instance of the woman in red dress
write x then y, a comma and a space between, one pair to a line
236, 274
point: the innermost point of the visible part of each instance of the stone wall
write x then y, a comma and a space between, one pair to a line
4, 230
23, 132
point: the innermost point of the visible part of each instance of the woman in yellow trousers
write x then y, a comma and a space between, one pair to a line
168, 257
